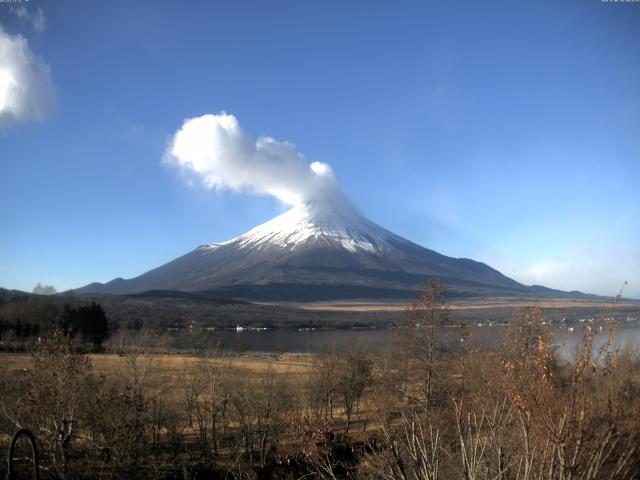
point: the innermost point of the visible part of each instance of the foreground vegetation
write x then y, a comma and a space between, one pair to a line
421, 410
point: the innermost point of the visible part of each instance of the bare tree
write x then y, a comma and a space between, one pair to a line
421, 341
41, 289
321, 386
206, 398
354, 375
55, 391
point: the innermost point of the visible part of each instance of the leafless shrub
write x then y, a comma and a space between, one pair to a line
55, 388
354, 374
320, 388
406, 450
421, 343
207, 399
263, 410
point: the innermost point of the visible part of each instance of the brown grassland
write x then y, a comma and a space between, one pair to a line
420, 410
464, 305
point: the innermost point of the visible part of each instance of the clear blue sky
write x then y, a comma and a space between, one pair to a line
507, 132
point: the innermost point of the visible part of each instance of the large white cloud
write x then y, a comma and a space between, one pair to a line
216, 149
26, 89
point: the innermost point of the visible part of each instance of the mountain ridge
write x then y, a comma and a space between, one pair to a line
322, 245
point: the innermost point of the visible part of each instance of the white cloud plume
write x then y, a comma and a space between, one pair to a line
225, 157
26, 89
36, 19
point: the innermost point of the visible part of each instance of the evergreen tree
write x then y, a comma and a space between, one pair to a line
88, 321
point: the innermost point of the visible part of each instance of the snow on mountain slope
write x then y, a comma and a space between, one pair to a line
312, 222
315, 244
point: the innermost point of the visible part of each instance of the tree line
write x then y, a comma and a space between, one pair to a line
26, 318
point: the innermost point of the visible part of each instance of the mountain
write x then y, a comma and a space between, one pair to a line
317, 250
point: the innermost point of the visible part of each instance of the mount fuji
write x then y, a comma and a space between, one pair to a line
318, 250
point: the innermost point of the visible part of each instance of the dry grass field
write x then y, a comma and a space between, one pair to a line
465, 304
170, 369
168, 376
518, 412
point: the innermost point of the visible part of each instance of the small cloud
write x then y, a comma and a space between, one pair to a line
26, 89
547, 267
35, 19
135, 130
125, 128
542, 272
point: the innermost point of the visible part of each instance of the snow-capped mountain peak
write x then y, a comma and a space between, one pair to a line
335, 222
318, 249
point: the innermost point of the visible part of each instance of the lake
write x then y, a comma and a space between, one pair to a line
567, 337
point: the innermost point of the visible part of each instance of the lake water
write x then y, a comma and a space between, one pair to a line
319, 341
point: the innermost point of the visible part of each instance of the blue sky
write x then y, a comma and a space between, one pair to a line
506, 132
